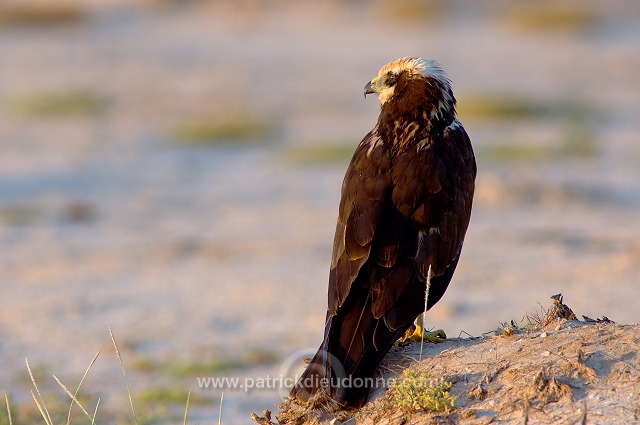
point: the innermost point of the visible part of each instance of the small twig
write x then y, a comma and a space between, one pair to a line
264, 420
468, 334
124, 374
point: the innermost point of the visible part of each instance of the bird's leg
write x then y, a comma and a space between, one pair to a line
420, 333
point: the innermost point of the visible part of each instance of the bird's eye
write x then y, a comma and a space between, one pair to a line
391, 79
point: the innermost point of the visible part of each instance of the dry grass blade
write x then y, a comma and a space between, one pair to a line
95, 411
424, 313
47, 421
361, 413
80, 384
6, 399
536, 318
220, 414
73, 397
124, 374
186, 409
43, 408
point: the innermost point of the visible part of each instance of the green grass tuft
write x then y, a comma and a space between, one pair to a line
178, 367
409, 11
239, 130
573, 146
20, 215
169, 396
496, 105
499, 106
575, 140
516, 152
415, 390
184, 368
545, 16
320, 153
71, 102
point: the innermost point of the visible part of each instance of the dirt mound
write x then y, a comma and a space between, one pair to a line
567, 371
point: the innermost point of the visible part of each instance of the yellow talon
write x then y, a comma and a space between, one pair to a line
420, 333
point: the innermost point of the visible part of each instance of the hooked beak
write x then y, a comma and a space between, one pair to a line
369, 88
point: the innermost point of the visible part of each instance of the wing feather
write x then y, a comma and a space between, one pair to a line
435, 210
390, 288
417, 214
363, 192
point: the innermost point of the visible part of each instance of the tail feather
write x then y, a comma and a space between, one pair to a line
344, 366
314, 380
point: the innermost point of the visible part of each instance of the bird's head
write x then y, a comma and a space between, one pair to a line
409, 82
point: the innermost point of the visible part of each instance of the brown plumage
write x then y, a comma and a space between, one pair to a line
405, 208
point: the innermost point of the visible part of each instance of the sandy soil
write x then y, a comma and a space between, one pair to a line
207, 252
569, 372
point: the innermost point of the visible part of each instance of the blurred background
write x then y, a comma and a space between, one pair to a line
171, 169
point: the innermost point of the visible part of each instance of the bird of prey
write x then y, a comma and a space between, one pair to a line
405, 207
